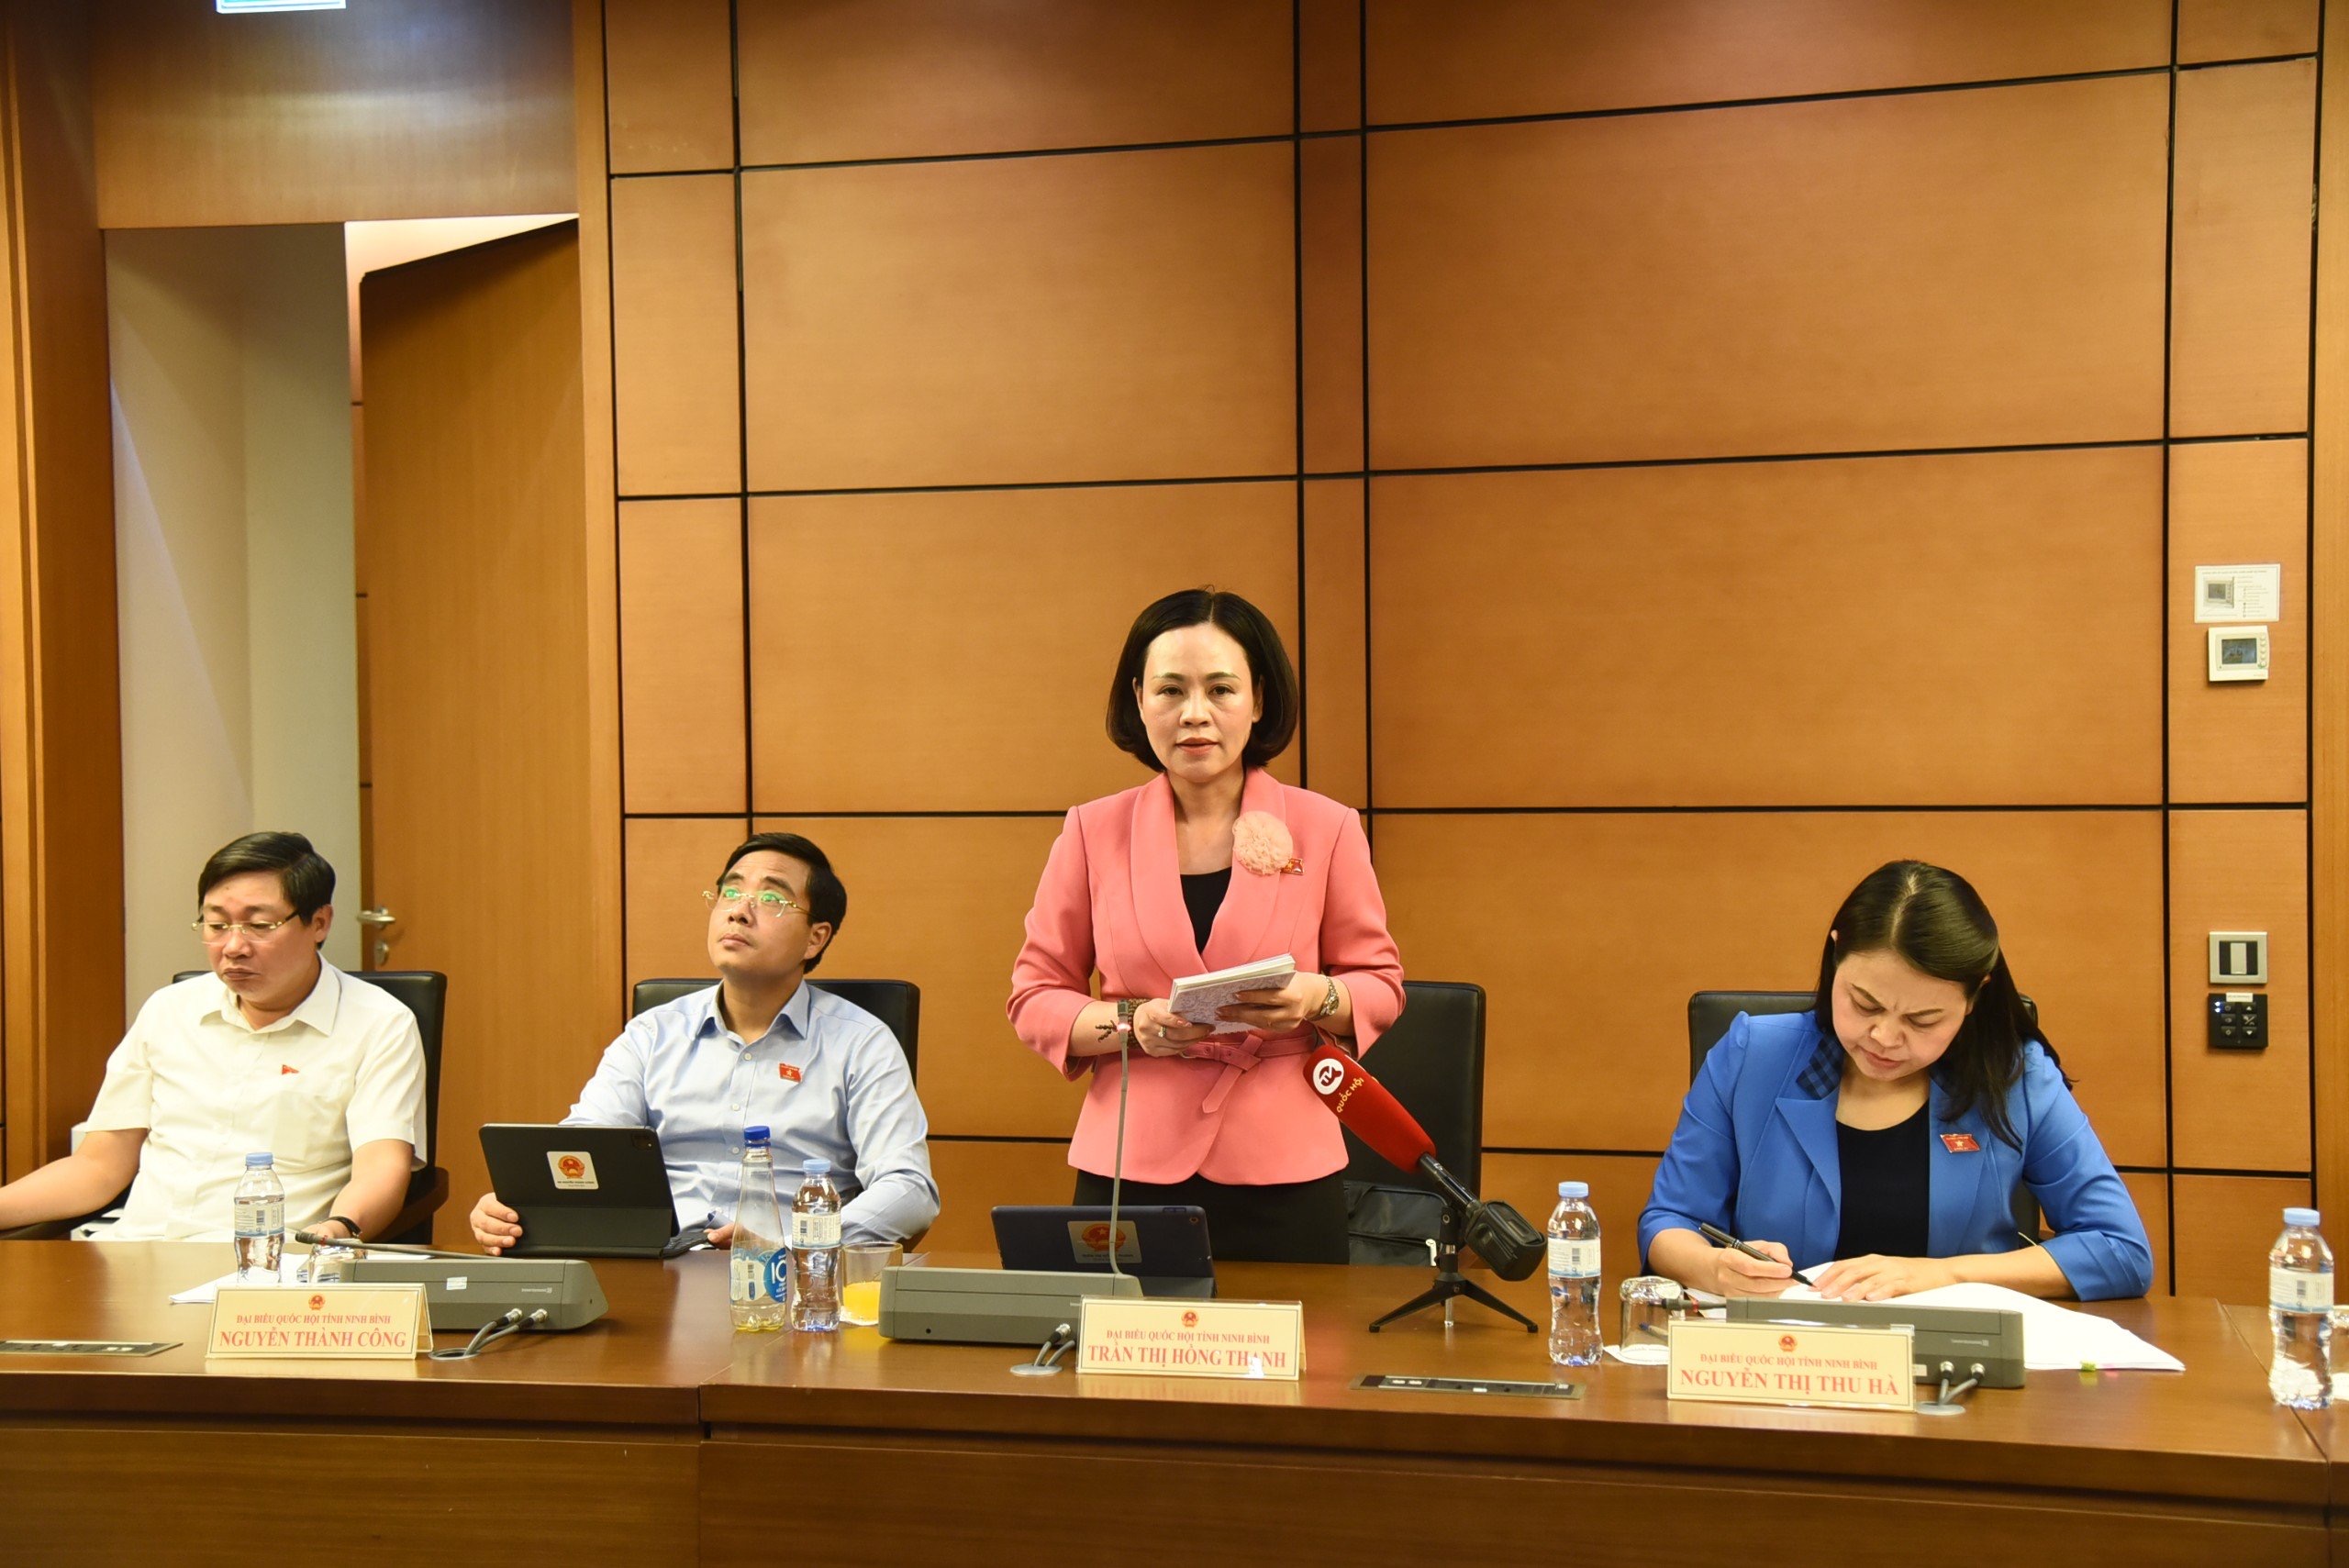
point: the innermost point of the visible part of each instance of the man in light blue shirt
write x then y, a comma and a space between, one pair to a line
763, 1048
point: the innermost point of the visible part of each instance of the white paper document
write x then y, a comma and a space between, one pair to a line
1197, 997
291, 1269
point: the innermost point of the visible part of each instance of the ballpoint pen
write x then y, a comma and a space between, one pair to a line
1720, 1238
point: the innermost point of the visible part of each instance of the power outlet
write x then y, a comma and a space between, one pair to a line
2237, 1020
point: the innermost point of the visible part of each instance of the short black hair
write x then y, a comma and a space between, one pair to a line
1268, 667
827, 899
302, 871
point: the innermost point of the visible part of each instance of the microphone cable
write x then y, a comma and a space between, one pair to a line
1118, 1157
511, 1322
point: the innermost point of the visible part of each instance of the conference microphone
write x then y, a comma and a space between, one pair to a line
1494, 1231
312, 1239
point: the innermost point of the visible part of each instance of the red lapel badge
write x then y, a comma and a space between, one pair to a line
789, 1074
283, 1070
1960, 1143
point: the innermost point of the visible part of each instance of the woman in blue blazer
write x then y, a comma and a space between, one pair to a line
1881, 1135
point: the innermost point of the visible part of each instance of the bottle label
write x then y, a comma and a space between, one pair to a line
1575, 1260
815, 1230
2290, 1290
750, 1278
260, 1216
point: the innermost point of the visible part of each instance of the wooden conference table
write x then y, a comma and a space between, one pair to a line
658, 1435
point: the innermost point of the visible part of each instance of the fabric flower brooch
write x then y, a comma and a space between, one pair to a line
1260, 841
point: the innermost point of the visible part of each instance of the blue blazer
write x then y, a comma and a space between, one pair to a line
1756, 1154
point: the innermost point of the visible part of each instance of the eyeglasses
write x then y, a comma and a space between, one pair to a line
766, 900
215, 932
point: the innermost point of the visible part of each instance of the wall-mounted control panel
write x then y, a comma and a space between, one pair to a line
2237, 1020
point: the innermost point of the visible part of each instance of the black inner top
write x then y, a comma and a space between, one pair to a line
1203, 895
1887, 1208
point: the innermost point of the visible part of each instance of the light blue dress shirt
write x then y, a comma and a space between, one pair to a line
828, 1079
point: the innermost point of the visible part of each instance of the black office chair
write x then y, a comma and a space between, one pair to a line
1711, 1012
897, 1002
425, 993
1433, 1059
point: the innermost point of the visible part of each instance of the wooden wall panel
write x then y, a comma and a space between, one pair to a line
2239, 291
973, 1177
925, 78
675, 349
1976, 630
2237, 502
669, 71
681, 656
604, 862
326, 117
1337, 717
1620, 1184
1535, 57
2150, 1191
2246, 29
967, 703
943, 902
1947, 269
1330, 308
1329, 64
1590, 931
2240, 871
669, 862
61, 743
2225, 1224
1124, 315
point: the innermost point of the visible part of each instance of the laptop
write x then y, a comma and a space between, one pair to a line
582, 1192
1164, 1246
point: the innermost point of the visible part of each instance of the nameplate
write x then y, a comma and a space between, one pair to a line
320, 1322
1780, 1364
1155, 1336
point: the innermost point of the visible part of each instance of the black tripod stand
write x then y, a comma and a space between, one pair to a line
1449, 1282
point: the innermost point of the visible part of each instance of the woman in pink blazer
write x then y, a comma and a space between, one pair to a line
1214, 863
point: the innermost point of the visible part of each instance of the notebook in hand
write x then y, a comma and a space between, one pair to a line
1197, 997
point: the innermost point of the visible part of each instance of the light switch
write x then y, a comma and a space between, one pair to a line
2238, 958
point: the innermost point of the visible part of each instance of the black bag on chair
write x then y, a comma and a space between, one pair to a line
1391, 1226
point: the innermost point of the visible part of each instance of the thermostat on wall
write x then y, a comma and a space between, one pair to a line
2238, 653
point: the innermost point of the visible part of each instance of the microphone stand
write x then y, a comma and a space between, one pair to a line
1449, 1280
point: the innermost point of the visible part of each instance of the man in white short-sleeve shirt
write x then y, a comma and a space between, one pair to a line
275, 1050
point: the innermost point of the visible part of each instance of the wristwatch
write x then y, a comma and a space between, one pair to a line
1126, 1006
1329, 1003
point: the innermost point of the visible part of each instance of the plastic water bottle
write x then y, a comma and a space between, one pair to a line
816, 1250
260, 1221
2299, 1312
757, 1283
1573, 1277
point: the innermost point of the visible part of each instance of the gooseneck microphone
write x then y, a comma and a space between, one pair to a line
1494, 1231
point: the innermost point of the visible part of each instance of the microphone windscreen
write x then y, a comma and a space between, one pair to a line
1364, 1106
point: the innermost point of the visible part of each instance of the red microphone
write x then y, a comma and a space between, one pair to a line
1367, 1110
1363, 1105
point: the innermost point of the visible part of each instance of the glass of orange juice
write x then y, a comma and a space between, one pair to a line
861, 1266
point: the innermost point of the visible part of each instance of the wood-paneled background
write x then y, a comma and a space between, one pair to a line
1697, 452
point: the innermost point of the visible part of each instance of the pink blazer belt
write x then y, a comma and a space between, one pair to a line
1238, 1059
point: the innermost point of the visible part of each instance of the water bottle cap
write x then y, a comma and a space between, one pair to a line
2300, 1217
816, 1167
754, 1137
1574, 1189
259, 1162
